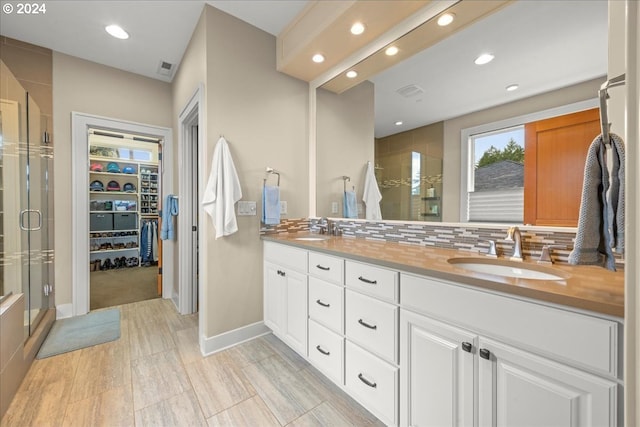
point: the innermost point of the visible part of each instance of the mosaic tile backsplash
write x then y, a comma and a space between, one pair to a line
471, 239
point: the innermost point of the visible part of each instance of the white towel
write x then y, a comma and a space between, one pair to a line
371, 196
222, 191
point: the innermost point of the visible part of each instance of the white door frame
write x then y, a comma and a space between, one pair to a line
191, 115
80, 124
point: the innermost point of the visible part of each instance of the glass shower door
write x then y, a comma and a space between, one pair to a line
34, 216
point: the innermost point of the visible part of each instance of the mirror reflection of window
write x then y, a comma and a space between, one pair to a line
415, 173
496, 176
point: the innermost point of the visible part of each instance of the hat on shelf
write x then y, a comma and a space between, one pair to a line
129, 188
96, 167
96, 186
113, 167
113, 186
128, 169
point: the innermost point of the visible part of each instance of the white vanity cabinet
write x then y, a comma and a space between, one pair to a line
285, 294
415, 350
536, 365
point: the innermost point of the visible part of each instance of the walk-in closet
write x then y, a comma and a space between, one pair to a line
124, 197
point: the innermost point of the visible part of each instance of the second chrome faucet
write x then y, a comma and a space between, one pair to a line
513, 235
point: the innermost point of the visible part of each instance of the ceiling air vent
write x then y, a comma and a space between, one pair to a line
410, 90
165, 68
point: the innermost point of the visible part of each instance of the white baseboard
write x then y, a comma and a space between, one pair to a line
228, 339
64, 310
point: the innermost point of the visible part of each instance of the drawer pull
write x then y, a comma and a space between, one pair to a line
371, 282
281, 273
326, 353
485, 354
366, 325
324, 304
323, 268
367, 382
466, 346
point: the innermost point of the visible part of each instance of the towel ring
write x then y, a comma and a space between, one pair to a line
271, 171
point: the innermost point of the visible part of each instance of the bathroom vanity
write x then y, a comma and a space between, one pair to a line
418, 340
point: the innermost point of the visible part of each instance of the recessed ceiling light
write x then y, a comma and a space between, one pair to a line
446, 19
391, 50
318, 58
117, 32
352, 74
357, 28
485, 58
512, 87
398, 123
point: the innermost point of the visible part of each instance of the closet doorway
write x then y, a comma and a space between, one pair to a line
119, 210
124, 200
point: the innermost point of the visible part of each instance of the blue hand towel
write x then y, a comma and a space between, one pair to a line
170, 209
350, 208
271, 205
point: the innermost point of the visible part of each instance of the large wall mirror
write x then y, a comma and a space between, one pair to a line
446, 137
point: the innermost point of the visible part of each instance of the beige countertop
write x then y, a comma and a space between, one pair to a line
584, 287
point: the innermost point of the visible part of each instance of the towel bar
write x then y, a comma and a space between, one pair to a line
604, 95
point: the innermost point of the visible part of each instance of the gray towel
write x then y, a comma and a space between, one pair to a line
601, 221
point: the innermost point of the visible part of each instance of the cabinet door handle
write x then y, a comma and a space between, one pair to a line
485, 354
323, 268
466, 346
326, 353
371, 282
324, 304
366, 325
367, 382
281, 273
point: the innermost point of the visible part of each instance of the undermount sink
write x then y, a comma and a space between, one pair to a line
506, 268
311, 238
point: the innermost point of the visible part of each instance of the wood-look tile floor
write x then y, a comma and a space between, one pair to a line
154, 375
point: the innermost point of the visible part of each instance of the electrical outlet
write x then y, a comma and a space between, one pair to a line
334, 207
283, 207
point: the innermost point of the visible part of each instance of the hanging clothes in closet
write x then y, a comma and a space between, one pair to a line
148, 242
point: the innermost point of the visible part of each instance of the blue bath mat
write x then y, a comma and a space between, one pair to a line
79, 332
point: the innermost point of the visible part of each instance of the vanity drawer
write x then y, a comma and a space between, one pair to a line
373, 382
373, 324
377, 281
326, 304
286, 256
326, 351
577, 339
326, 267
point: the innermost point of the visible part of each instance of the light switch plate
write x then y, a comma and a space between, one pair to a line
334, 207
283, 207
246, 208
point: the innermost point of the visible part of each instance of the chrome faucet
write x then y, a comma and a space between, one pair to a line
323, 224
513, 235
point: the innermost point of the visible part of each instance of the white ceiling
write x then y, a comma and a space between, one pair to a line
541, 45
159, 30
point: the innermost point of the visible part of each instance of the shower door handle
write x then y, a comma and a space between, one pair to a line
28, 211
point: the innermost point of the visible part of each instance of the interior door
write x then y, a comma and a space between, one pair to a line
555, 152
